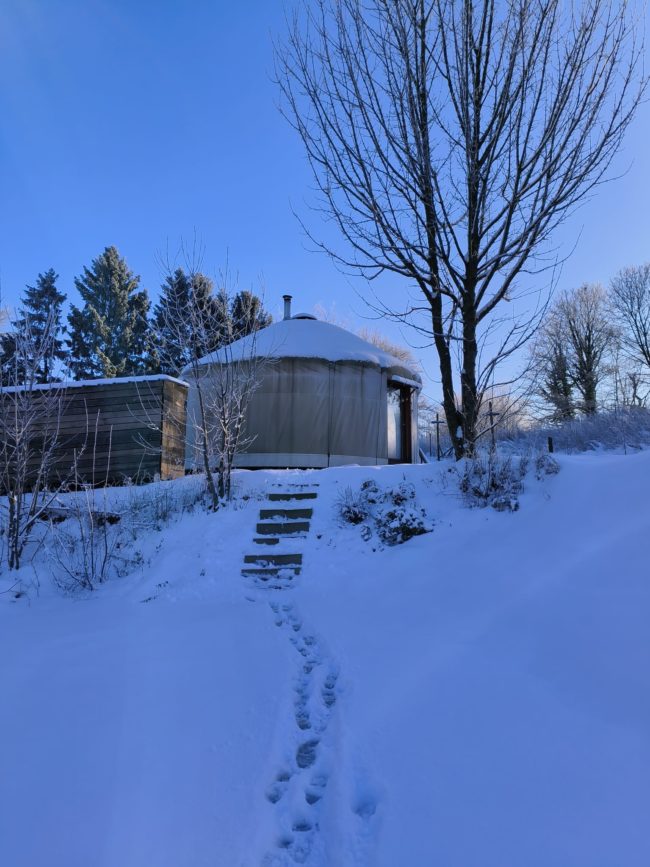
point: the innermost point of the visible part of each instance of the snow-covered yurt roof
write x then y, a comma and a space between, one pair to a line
304, 336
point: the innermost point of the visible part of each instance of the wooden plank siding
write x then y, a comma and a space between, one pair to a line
125, 429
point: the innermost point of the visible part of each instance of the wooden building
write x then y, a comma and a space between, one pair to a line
108, 430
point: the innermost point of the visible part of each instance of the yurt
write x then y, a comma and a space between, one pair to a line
323, 397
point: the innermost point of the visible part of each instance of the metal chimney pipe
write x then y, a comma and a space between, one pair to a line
287, 306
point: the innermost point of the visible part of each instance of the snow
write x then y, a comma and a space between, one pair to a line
307, 338
86, 383
488, 700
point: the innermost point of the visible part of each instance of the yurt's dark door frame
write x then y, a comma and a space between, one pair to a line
403, 394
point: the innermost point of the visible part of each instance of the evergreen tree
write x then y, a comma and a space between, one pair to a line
8, 359
556, 385
188, 321
38, 332
247, 314
109, 335
40, 320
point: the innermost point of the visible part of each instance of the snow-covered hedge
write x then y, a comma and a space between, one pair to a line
620, 430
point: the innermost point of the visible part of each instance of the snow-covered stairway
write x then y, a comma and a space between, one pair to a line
283, 522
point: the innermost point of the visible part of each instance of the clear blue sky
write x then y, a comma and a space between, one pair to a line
134, 122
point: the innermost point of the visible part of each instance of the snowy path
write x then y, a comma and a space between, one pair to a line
305, 789
314, 813
300, 787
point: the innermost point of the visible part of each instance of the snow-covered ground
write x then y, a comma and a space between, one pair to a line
476, 697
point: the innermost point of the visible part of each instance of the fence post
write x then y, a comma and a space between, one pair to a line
550, 445
491, 415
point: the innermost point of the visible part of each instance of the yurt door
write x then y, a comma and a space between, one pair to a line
399, 424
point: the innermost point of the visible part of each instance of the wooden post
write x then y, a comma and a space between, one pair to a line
491, 417
437, 436
550, 445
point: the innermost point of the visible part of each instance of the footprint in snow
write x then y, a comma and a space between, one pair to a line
279, 787
306, 754
329, 689
316, 789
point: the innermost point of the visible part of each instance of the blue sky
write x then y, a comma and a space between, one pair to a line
136, 123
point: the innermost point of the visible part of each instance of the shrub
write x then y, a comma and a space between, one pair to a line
397, 522
402, 494
491, 480
546, 465
352, 506
371, 492
401, 523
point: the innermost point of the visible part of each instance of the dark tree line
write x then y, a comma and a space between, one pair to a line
113, 331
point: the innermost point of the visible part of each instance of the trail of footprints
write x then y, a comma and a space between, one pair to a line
299, 787
298, 790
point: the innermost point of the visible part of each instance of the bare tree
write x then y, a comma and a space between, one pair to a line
402, 353
227, 380
583, 318
222, 382
31, 475
448, 140
630, 302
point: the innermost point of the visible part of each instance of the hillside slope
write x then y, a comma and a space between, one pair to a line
476, 697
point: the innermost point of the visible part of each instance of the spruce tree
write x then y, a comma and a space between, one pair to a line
109, 334
40, 321
556, 385
188, 321
34, 346
8, 360
247, 314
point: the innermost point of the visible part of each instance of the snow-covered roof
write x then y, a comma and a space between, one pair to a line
87, 383
301, 337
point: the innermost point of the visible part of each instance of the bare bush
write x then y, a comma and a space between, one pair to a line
352, 506
87, 549
31, 473
201, 334
489, 479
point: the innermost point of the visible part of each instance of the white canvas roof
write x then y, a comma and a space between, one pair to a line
308, 338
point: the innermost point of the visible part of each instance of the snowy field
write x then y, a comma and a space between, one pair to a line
477, 697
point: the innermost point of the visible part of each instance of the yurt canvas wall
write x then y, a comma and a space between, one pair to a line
322, 399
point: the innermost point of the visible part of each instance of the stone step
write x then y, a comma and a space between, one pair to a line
296, 485
271, 572
275, 540
283, 529
295, 495
274, 559
290, 514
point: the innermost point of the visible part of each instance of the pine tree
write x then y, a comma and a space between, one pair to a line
247, 314
109, 335
188, 321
